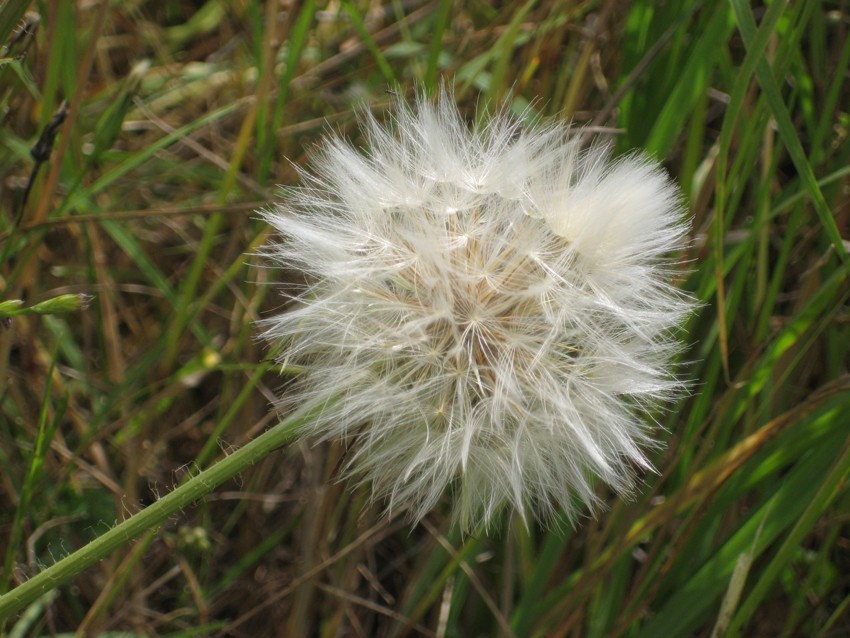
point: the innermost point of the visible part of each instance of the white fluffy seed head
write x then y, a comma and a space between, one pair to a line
488, 310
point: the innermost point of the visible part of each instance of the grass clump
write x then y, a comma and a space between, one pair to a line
139, 139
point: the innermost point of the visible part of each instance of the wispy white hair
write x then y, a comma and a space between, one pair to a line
488, 310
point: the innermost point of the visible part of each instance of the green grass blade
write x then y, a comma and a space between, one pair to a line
696, 599
830, 486
369, 41
693, 82
48, 421
787, 132
441, 19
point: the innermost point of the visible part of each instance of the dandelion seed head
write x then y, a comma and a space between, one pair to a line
489, 311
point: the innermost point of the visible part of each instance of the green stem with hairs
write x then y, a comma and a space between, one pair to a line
154, 516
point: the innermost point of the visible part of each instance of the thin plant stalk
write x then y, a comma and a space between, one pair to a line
152, 517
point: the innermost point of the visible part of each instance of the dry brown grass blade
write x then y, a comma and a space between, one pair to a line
707, 481
701, 487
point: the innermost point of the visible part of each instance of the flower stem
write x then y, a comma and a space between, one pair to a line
152, 517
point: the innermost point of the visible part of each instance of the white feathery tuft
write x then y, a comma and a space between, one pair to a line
489, 310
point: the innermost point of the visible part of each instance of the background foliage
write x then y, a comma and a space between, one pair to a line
164, 125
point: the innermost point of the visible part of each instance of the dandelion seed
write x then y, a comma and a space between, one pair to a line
489, 311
